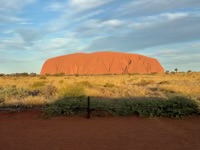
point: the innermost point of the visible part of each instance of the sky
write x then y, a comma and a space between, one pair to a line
32, 31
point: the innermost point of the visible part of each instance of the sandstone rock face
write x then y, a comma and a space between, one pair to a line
101, 63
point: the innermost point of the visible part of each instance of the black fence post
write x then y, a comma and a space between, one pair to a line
88, 108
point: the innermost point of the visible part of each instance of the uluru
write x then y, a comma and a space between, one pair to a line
99, 63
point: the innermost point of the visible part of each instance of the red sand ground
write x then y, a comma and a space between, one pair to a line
101, 63
25, 131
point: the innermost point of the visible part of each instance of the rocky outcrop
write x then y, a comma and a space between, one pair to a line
101, 63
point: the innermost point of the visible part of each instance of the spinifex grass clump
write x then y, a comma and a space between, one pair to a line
49, 91
109, 85
174, 107
74, 90
13, 92
38, 84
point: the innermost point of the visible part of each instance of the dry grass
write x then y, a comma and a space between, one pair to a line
112, 86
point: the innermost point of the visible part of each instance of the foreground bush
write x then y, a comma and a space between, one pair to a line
66, 106
175, 107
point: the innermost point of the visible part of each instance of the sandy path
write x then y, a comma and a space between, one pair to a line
25, 131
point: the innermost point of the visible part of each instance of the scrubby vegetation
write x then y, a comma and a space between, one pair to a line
31, 91
67, 106
175, 107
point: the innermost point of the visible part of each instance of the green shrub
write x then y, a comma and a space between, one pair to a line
66, 106
175, 107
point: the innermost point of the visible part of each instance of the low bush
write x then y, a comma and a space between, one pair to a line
61, 81
109, 85
85, 83
43, 77
145, 82
38, 84
59, 74
164, 82
66, 106
154, 73
2, 75
175, 107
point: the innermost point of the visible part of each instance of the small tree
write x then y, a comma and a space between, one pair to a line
2, 74
176, 69
189, 71
167, 72
33, 74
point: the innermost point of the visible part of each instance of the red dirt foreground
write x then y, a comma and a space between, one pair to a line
101, 63
28, 131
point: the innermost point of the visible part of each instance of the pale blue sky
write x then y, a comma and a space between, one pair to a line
33, 30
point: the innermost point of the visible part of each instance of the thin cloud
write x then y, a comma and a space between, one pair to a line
160, 33
152, 7
12, 6
37, 30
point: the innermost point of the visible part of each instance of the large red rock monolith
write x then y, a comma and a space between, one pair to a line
101, 63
